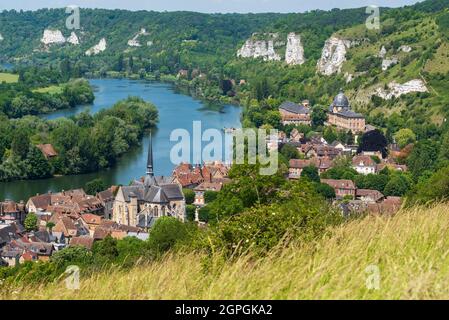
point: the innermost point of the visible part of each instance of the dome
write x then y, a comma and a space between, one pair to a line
341, 101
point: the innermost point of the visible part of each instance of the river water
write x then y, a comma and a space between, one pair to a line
176, 111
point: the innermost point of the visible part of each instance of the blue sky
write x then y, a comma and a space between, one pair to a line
242, 6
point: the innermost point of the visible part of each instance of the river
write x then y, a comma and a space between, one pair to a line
176, 110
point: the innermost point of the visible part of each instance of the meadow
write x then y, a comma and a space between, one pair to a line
399, 257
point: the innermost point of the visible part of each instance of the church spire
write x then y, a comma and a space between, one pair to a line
150, 171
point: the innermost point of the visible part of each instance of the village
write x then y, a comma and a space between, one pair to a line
74, 218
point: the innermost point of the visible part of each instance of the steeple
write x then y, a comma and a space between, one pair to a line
150, 171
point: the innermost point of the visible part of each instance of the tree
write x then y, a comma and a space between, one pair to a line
166, 232
289, 151
398, 186
373, 141
435, 188
37, 166
190, 211
95, 186
423, 157
105, 250
329, 135
30, 223
50, 225
325, 190
189, 195
318, 116
310, 173
20, 144
210, 196
404, 137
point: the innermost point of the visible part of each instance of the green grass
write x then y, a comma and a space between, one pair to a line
8, 77
50, 89
410, 251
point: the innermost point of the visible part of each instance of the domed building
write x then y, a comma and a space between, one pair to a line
341, 115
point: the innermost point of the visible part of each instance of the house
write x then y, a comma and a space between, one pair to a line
72, 202
107, 200
189, 176
296, 136
67, 227
341, 115
11, 257
364, 164
297, 165
143, 202
117, 231
201, 190
390, 205
292, 113
369, 196
11, 211
47, 150
343, 188
83, 241
91, 221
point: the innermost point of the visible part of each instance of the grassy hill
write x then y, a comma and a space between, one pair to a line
410, 251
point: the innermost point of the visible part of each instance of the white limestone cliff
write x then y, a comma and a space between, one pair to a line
405, 49
396, 90
52, 37
73, 39
388, 62
98, 48
259, 49
134, 42
382, 52
333, 56
294, 54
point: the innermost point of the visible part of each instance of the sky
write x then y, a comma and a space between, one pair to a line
208, 6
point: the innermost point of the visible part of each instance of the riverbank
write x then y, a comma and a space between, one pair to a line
176, 111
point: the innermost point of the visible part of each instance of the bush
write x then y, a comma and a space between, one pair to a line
166, 232
301, 215
189, 195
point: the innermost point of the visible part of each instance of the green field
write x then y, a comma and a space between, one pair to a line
50, 90
8, 77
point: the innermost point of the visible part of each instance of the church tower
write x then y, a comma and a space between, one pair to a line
150, 169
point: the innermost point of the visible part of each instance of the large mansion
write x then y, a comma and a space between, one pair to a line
341, 115
292, 113
145, 200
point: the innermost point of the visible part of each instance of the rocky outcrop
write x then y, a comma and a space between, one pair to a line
1, 37
98, 48
405, 49
382, 52
52, 37
259, 49
387, 63
396, 90
134, 42
333, 56
73, 39
294, 54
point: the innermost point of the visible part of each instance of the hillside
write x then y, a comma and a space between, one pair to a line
410, 250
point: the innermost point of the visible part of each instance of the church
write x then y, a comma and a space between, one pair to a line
341, 115
144, 201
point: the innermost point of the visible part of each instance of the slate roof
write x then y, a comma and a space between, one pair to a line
159, 192
294, 108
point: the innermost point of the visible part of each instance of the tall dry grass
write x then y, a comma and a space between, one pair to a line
410, 249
